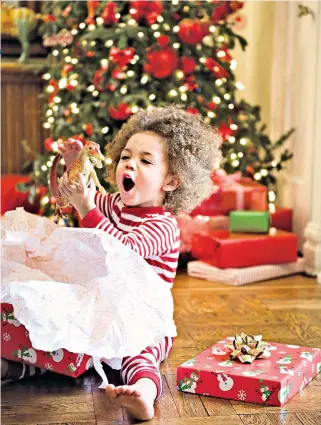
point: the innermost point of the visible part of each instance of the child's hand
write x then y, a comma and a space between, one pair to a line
81, 197
69, 150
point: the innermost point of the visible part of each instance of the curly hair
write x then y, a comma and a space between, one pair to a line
193, 151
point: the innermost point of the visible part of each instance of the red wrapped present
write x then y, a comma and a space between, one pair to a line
11, 197
16, 346
226, 250
270, 381
189, 225
234, 193
281, 218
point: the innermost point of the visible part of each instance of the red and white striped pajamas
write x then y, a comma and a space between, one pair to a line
151, 232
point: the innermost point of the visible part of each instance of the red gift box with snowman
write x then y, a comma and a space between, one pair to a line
227, 371
16, 345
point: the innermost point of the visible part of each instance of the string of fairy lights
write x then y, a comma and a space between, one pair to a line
180, 92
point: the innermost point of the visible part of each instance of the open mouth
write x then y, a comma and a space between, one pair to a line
128, 184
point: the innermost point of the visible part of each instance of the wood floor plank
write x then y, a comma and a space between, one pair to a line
305, 325
217, 406
271, 419
313, 418
217, 420
188, 405
104, 408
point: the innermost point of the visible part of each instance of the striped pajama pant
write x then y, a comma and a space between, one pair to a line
146, 364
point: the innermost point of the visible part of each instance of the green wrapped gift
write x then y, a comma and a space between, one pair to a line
249, 221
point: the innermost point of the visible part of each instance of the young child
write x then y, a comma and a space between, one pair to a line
161, 162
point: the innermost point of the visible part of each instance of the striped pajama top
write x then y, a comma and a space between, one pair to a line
152, 232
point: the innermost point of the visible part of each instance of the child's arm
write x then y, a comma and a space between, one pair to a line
154, 236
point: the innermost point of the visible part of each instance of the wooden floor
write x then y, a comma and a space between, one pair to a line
285, 310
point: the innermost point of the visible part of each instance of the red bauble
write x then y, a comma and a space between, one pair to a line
53, 83
220, 12
225, 129
66, 69
148, 10
187, 65
211, 105
163, 40
192, 110
190, 83
48, 143
90, 54
121, 113
121, 57
216, 68
88, 128
227, 57
118, 74
70, 87
191, 31
49, 18
161, 63
109, 14
98, 80
236, 5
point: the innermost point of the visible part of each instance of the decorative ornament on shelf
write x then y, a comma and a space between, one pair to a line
19, 22
247, 348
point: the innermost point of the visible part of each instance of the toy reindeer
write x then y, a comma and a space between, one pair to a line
88, 158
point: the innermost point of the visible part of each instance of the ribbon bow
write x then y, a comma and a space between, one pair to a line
221, 178
247, 348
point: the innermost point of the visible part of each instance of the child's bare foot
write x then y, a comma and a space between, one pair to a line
138, 399
69, 150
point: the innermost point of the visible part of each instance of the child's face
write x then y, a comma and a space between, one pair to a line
142, 170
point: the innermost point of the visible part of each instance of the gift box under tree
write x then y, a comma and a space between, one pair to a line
271, 381
223, 249
16, 345
234, 192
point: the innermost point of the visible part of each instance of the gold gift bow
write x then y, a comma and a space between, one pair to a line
247, 348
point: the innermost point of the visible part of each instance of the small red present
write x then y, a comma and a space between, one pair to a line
234, 193
223, 249
281, 218
189, 225
16, 346
269, 381
11, 197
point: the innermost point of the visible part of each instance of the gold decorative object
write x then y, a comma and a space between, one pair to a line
19, 22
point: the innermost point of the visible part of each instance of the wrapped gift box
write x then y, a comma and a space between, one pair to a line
245, 275
227, 250
234, 193
250, 221
281, 218
189, 225
271, 381
16, 346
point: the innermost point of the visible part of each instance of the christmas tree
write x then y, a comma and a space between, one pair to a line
108, 59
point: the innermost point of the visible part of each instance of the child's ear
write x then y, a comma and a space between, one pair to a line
171, 183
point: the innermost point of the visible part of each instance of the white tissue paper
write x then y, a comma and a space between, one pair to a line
82, 290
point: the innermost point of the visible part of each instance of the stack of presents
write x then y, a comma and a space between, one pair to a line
235, 238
